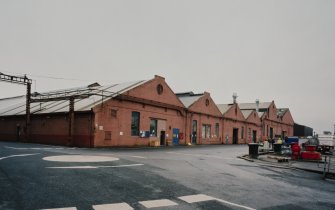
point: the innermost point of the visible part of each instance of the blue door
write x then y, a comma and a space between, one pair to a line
175, 136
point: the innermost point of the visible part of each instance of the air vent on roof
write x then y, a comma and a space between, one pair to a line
94, 85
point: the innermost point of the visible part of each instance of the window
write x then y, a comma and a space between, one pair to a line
217, 129
159, 89
114, 113
153, 127
108, 135
242, 133
135, 123
206, 131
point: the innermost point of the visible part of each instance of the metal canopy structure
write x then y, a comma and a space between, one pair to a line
59, 101
22, 80
70, 95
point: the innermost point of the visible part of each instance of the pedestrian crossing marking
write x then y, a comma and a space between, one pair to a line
69, 208
157, 203
113, 206
196, 198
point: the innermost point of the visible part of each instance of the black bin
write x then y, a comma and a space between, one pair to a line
253, 150
277, 148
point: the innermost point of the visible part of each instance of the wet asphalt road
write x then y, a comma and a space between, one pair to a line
213, 175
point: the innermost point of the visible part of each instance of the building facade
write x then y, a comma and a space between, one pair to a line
203, 119
139, 113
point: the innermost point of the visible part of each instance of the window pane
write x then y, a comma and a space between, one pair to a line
208, 133
153, 127
217, 128
203, 133
135, 123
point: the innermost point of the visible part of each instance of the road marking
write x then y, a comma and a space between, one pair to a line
33, 148
138, 157
74, 167
80, 158
121, 166
202, 197
21, 155
114, 206
70, 208
158, 203
95, 167
196, 198
234, 204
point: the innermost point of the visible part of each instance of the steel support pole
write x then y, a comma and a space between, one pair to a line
28, 112
71, 121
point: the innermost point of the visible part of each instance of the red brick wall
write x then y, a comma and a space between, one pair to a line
120, 125
234, 118
49, 129
210, 115
253, 122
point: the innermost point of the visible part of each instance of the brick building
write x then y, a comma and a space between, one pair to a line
203, 118
253, 125
233, 123
129, 114
139, 113
274, 123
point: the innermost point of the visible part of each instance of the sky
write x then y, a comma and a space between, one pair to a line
281, 50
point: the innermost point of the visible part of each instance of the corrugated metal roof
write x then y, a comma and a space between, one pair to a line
189, 99
223, 107
17, 105
262, 105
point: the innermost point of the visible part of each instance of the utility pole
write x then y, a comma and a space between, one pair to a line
22, 81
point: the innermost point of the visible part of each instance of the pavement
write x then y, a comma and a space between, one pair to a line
35, 177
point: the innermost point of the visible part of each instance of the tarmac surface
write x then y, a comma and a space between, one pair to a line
36, 176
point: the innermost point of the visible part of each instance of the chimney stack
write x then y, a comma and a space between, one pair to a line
234, 97
257, 105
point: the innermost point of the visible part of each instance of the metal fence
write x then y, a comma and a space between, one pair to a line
329, 166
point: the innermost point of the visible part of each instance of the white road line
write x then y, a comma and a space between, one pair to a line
138, 157
34, 148
70, 208
114, 206
95, 167
234, 204
75, 167
121, 166
158, 203
202, 197
21, 155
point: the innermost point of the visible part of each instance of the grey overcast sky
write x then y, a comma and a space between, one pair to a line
271, 50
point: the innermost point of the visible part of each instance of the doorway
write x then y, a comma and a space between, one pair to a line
254, 136
18, 132
162, 138
175, 136
194, 131
271, 133
235, 135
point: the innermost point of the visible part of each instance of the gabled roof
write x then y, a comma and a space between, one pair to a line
224, 107
188, 98
246, 113
95, 93
281, 111
260, 114
252, 106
